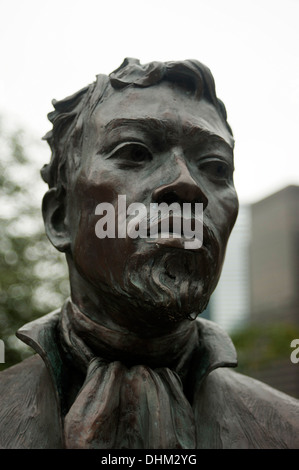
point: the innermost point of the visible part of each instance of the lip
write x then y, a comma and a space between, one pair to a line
170, 235
177, 242
173, 237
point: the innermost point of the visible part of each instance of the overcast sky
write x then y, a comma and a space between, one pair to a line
50, 49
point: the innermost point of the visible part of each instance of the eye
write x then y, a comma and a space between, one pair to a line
131, 154
216, 169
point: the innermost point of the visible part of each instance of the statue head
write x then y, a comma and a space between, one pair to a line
153, 133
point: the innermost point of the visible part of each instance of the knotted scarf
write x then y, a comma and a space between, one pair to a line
123, 406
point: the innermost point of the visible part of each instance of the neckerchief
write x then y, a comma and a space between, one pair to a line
121, 405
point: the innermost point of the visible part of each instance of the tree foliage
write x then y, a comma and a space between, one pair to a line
33, 275
258, 346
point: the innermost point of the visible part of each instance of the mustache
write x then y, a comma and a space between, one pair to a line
179, 225
190, 219
173, 224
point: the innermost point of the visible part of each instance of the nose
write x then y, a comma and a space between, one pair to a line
183, 189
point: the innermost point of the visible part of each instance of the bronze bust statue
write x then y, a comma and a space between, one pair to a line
126, 363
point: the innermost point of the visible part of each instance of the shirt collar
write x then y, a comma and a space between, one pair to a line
215, 350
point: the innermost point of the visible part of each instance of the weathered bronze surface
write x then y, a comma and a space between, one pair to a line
126, 363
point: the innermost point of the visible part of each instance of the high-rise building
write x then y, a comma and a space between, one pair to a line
275, 257
230, 303
274, 280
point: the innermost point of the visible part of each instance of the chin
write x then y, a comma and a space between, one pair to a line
170, 286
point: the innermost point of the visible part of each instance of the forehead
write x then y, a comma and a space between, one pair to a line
166, 103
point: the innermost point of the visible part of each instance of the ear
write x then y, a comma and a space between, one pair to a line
53, 209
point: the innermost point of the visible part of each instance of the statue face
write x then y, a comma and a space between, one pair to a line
155, 144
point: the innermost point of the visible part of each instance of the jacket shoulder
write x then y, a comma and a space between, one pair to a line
28, 414
236, 411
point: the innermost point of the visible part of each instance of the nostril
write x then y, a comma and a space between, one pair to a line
169, 198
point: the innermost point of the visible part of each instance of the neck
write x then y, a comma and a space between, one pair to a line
173, 350
116, 329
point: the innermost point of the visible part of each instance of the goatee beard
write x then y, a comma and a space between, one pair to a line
173, 285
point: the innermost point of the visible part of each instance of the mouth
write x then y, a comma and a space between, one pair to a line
176, 232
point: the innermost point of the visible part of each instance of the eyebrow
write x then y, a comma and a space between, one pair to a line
162, 128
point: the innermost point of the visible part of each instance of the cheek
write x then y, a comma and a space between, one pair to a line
95, 258
85, 245
90, 189
88, 251
231, 207
221, 214
100, 260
